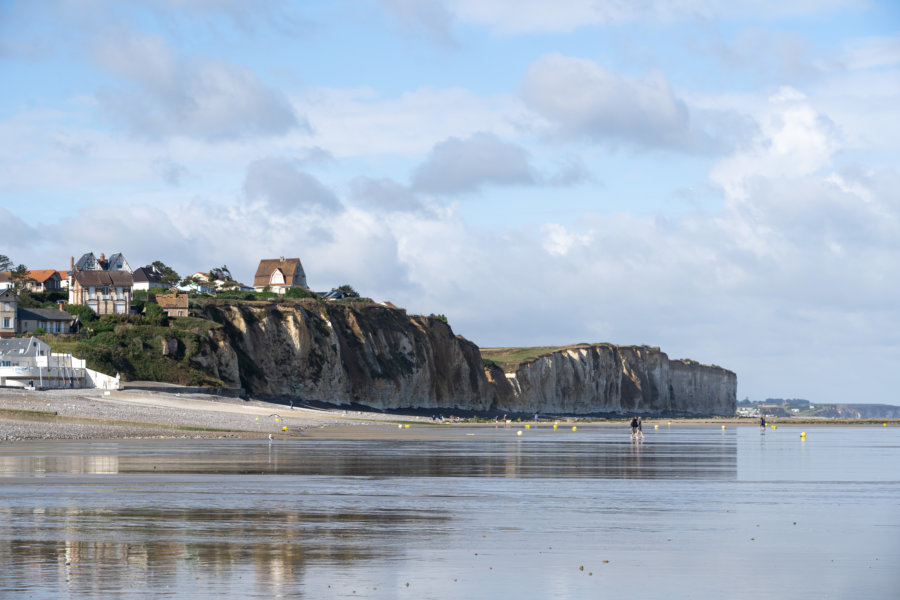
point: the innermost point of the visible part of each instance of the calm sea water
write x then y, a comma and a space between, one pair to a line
691, 512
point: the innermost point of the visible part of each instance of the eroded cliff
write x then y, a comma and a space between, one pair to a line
607, 379
337, 353
381, 357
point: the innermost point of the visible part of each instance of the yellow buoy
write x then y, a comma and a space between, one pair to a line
284, 428
278, 420
399, 425
555, 425
519, 432
406, 426
884, 424
803, 434
257, 418
723, 427
773, 427
574, 428
527, 426
656, 427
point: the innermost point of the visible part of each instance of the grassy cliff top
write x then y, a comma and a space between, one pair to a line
509, 359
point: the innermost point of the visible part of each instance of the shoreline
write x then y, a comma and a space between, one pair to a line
92, 414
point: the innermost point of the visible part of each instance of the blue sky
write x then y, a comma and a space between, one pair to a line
716, 178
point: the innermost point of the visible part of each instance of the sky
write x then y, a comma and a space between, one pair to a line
719, 178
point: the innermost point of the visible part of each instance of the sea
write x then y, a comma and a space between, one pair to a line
459, 512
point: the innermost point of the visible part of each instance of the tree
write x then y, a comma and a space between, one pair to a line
222, 273
347, 290
19, 276
167, 274
5, 263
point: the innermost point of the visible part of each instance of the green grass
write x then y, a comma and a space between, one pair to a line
509, 359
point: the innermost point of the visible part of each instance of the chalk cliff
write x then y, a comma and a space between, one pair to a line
381, 357
338, 353
603, 378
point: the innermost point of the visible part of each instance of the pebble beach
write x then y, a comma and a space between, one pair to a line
83, 414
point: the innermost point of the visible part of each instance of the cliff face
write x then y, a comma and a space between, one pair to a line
383, 358
618, 379
340, 354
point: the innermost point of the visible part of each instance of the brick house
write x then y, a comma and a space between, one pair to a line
175, 305
279, 275
105, 286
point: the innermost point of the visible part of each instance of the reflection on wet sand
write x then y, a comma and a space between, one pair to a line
490, 457
472, 513
85, 555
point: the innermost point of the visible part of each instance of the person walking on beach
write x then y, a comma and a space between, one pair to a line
634, 427
762, 422
640, 428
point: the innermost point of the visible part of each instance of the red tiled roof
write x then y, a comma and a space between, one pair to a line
41, 275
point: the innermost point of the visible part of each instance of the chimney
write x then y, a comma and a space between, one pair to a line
282, 259
61, 305
102, 258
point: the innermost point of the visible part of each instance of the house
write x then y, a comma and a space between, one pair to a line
279, 275
63, 279
174, 305
5, 281
104, 292
105, 286
201, 284
51, 320
204, 284
44, 280
147, 277
28, 362
89, 262
9, 303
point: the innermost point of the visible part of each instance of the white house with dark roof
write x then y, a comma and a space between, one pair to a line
146, 278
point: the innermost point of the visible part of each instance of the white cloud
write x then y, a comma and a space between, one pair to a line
384, 194
583, 100
794, 140
465, 165
283, 187
164, 94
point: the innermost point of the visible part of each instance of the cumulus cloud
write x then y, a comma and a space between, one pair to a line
465, 165
282, 186
165, 95
581, 99
16, 233
382, 193
794, 140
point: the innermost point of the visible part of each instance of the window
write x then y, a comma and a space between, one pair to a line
7, 306
7, 323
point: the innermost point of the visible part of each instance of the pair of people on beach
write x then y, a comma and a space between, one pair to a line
637, 431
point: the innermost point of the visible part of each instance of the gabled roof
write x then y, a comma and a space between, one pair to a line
42, 275
290, 267
8, 294
146, 275
43, 314
115, 278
